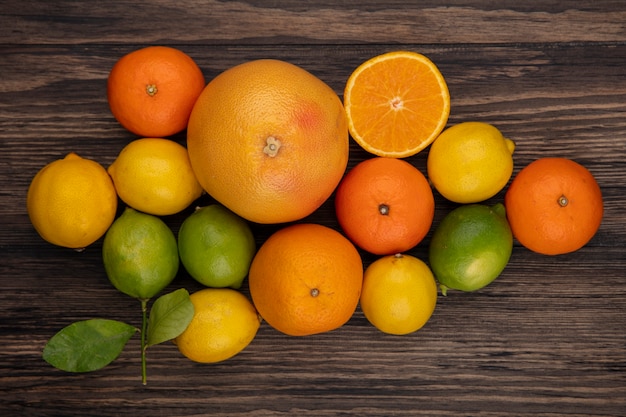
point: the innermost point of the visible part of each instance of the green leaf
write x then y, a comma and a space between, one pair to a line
88, 345
169, 316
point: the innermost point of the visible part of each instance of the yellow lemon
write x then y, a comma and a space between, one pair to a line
470, 162
71, 202
154, 175
223, 324
399, 294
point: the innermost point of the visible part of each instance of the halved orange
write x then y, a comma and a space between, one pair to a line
397, 103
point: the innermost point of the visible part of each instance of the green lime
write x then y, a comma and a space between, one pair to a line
140, 254
470, 247
216, 246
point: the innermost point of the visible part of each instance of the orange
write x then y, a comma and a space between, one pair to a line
151, 91
306, 279
385, 205
268, 140
554, 206
397, 104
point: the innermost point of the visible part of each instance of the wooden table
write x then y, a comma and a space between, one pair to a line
547, 338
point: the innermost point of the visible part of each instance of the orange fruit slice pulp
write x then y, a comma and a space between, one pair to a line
396, 103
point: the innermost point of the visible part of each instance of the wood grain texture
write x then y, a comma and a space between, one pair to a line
547, 338
292, 21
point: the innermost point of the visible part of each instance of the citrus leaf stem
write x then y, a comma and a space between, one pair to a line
144, 326
444, 290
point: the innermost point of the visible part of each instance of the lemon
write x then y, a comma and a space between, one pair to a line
216, 246
399, 294
154, 175
470, 162
71, 202
140, 254
223, 324
471, 247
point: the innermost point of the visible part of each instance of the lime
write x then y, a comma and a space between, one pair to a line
470, 247
216, 246
140, 255
399, 294
470, 162
223, 324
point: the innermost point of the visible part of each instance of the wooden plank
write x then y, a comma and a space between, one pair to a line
292, 22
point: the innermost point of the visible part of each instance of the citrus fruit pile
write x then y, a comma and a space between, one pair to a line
269, 143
